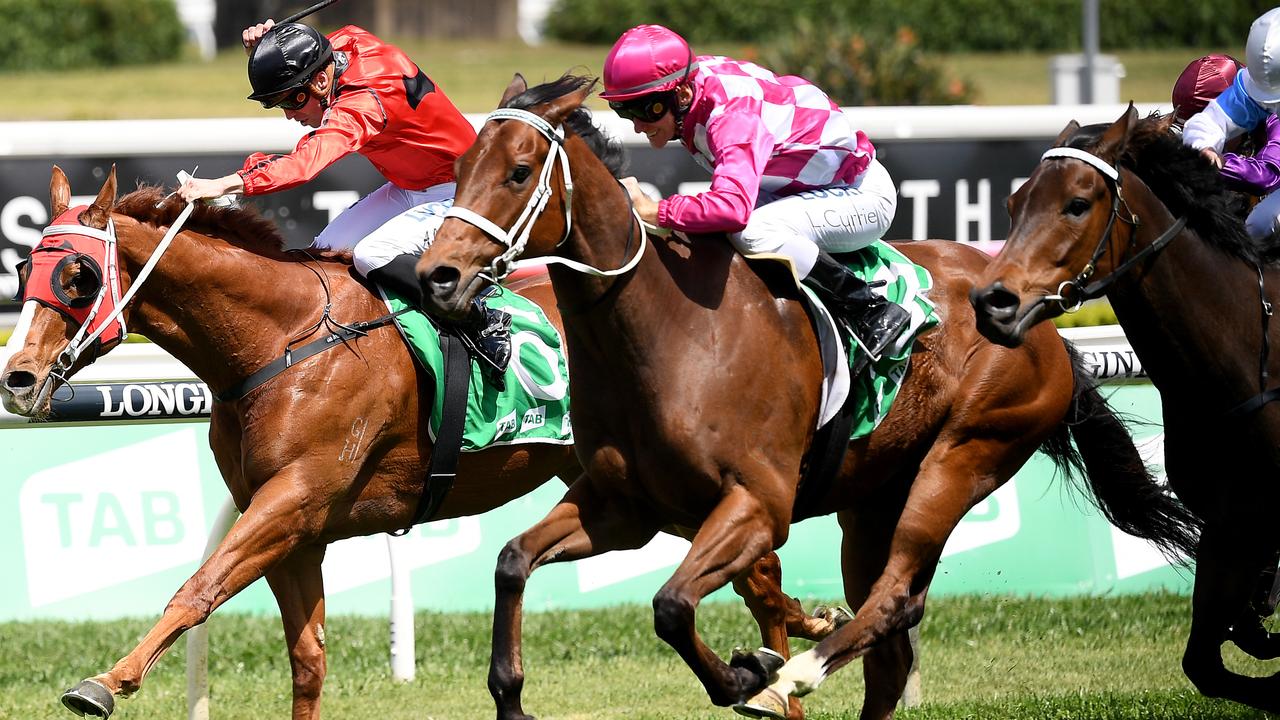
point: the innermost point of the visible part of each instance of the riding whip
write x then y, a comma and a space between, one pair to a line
301, 14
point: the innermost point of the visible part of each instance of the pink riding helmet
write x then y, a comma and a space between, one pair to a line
1202, 81
646, 59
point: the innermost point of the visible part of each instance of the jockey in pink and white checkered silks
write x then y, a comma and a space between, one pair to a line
790, 174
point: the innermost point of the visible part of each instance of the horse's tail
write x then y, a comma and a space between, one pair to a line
1120, 485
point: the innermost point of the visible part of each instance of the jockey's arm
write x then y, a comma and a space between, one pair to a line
203, 188
645, 206
741, 145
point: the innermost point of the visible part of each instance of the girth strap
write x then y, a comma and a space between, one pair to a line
442, 468
342, 334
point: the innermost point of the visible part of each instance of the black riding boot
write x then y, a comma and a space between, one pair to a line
874, 320
490, 329
401, 276
487, 330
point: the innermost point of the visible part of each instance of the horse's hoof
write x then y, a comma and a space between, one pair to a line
837, 616
763, 662
89, 698
766, 704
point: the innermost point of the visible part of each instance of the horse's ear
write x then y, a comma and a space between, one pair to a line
1111, 145
97, 214
557, 110
1164, 123
517, 86
1066, 134
59, 192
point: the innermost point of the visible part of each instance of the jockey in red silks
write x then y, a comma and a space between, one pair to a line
365, 96
789, 172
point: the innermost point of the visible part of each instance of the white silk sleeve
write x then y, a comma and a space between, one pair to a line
1209, 128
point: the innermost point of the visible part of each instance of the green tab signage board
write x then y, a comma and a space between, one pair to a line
109, 520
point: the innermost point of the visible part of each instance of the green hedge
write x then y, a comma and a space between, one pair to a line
941, 25
63, 34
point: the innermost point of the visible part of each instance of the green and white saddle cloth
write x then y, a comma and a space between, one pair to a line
906, 284
534, 407
874, 391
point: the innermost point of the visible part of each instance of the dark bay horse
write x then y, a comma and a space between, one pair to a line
333, 448
1104, 212
695, 390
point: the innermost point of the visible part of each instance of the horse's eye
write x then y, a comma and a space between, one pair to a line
520, 174
1077, 207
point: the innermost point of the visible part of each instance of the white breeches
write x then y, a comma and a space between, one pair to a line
1264, 219
387, 222
836, 219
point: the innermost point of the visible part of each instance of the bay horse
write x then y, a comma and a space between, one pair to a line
695, 389
1123, 209
334, 447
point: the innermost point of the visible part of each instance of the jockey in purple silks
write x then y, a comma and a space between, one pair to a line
1224, 101
790, 174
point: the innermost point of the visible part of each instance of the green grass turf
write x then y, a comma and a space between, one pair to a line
982, 657
474, 73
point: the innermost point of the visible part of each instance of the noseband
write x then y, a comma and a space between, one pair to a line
1076, 286
516, 238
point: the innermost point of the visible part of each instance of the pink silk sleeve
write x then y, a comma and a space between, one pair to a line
740, 145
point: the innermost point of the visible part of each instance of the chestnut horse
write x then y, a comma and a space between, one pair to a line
1124, 209
334, 447
695, 393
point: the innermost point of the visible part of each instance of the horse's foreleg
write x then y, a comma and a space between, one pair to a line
950, 481
278, 519
583, 524
738, 532
1248, 633
298, 585
1226, 574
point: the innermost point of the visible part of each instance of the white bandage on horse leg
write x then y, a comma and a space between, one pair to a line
801, 674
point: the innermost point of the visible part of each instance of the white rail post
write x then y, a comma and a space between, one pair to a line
198, 636
402, 638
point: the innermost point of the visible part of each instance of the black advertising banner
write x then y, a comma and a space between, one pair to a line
948, 189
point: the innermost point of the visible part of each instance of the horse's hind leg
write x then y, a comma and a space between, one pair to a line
298, 585
779, 615
584, 523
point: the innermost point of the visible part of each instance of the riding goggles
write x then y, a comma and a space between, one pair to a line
647, 108
291, 99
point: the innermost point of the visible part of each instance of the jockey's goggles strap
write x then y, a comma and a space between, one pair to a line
1068, 152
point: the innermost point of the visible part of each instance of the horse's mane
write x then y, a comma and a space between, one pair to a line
579, 121
240, 226
1188, 186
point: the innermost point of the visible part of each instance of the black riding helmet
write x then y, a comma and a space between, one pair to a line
285, 59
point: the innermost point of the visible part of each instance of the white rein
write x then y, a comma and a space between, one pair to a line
517, 237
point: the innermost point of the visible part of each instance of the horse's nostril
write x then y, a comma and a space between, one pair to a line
443, 278
995, 301
19, 380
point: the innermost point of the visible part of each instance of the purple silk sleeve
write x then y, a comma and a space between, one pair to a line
1258, 174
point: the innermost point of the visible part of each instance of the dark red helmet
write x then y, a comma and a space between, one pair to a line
1202, 81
